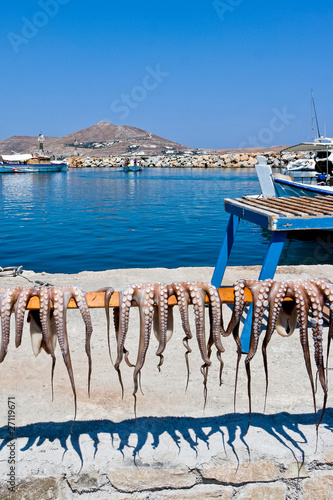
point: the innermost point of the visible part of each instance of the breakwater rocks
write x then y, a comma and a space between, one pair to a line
227, 160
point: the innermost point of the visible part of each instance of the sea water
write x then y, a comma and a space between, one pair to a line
97, 219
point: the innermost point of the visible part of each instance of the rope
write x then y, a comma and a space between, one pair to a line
6, 272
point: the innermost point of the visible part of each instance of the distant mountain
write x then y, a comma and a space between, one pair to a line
102, 139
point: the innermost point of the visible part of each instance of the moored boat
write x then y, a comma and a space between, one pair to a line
27, 163
321, 161
279, 185
318, 154
285, 186
301, 165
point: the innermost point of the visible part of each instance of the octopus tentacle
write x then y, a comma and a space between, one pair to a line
259, 293
297, 291
330, 338
116, 320
317, 301
235, 334
234, 324
20, 308
215, 316
163, 319
215, 303
109, 291
198, 296
42, 335
80, 298
183, 297
7, 300
238, 307
61, 298
210, 342
121, 324
326, 288
42, 328
276, 296
145, 299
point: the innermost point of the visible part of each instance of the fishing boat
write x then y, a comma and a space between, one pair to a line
280, 185
131, 166
318, 153
27, 163
300, 182
286, 186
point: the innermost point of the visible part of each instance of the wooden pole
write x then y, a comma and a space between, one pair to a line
95, 300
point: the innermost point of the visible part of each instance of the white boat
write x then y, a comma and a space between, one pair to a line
319, 151
27, 163
303, 165
322, 161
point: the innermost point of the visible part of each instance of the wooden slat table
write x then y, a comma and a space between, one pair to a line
278, 215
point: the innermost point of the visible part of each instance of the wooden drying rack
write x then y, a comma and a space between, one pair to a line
95, 300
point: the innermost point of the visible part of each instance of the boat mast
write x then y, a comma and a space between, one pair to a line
314, 115
311, 115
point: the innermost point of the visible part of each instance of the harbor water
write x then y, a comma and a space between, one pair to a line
98, 219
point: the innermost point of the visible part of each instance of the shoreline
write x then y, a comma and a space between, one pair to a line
225, 160
122, 277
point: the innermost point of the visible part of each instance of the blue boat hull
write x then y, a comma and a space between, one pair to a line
13, 168
290, 188
132, 168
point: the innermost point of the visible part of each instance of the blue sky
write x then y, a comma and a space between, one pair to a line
209, 74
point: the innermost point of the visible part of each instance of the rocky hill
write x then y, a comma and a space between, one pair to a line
103, 139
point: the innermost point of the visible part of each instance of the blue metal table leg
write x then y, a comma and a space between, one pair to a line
225, 250
267, 271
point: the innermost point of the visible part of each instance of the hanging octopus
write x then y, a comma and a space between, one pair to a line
286, 303
306, 296
61, 297
109, 291
197, 292
42, 325
163, 319
8, 298
152, 300
326, 288
46, 325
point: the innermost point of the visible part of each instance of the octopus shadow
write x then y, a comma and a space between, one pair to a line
285, 427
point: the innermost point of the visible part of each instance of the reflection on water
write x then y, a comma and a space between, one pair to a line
93, 219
